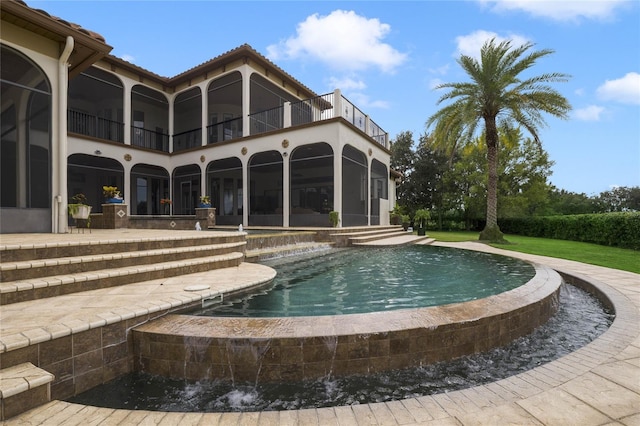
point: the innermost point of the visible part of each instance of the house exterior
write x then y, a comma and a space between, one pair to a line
266, 149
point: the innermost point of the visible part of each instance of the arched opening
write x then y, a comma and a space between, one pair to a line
149, 119
224, 183
187, 120
149, 185
96, 102
225, 108
311, 200
186, 189
355, 194
265, 189
25, 145
379, 191
87, 174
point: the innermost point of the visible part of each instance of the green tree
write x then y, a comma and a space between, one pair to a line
497, 97
620, 199
402, 161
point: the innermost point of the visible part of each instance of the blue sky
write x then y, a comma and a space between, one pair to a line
387, 56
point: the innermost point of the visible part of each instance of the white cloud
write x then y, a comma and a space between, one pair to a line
341, 40
566, 10
589, 113
625, 90
129, 58
363, 101
471, 44
346, 83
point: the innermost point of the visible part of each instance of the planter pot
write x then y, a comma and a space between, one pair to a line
422, 231
114, 201
205, 205
82, 212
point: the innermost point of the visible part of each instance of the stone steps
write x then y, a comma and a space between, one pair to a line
57, 285
33, 269
23, 387
344, 239
92, 246
44, 275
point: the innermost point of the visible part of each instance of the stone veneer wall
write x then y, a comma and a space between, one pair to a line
298, 348
83, 358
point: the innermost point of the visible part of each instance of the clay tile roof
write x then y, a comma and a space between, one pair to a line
89, 46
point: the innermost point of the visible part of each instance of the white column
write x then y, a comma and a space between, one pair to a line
337, 181
286, 187
204, 114
245, 71
126, 114
287, 115
245, 190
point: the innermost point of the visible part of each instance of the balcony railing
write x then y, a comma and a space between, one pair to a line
94, 126
316, 109
189, 139
224, 131
264, 121
313, 110
149, 139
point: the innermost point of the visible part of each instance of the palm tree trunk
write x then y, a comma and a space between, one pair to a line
491, 231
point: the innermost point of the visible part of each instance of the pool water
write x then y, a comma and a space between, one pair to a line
580, 319
350, 281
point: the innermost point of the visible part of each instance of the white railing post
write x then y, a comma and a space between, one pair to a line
337, 100
286, 112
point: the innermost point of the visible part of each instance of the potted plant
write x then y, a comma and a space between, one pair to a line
79, 209
406, 221
420, 219
166, 205
205, 201
334, 218
112, 194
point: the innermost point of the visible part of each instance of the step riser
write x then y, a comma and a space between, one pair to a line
88, 265
106, 247
98, 283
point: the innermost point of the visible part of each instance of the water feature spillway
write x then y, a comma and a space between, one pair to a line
263, 350
580, 319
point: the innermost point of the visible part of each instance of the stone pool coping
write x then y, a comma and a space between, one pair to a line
597, 384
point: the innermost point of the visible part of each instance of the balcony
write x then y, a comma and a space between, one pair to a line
97, 127
149, 139
291, 114
323, 107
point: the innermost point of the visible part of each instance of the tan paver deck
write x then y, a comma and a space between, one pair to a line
598, 384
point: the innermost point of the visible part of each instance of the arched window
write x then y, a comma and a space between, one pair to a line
224, 186
355, 194
311, 185
25, 140
265, 192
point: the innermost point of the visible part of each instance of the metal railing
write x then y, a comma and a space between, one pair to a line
149, 139
264, 121
189, 139
92, 125
311, 110
224, 131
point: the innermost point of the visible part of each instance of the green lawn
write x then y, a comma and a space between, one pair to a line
611, 257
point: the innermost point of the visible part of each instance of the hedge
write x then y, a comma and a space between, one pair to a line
610, 229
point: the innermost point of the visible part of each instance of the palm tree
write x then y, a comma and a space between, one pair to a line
497, 98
